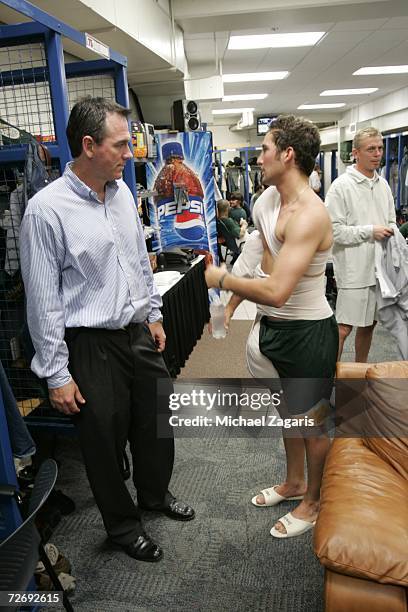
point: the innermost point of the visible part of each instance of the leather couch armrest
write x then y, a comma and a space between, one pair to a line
351, 594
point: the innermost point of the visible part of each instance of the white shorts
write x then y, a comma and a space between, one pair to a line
356, 306
259, 366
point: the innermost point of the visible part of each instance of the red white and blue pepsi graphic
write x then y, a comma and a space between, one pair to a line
183, 211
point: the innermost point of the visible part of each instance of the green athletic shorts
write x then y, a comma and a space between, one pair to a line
304, 354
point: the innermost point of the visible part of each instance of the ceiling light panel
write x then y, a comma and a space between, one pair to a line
232, 111
263, 41
241, 97
382, 70
349, 92
317, 106
254, 76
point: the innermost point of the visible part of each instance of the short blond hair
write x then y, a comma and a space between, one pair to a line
223, 207
367, 132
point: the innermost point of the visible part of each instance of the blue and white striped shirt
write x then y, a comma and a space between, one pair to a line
84, 264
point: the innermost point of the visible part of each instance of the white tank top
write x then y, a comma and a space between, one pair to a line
308, 300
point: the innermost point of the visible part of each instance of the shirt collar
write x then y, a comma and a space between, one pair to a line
360, 177
80, 187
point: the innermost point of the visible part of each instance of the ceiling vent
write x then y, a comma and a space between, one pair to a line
246, 121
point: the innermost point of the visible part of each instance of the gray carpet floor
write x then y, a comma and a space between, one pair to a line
223, 561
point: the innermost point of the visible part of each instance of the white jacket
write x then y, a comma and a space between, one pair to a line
392, 288
356, 204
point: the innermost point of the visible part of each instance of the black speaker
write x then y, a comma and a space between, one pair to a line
186, 116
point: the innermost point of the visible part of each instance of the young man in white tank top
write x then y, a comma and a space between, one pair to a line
288, 287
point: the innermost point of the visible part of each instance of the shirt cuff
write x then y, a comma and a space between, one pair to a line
61, 378
155, 316
368, 232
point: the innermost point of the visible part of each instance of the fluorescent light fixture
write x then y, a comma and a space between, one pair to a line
316, 106
254, 76
232, 111
262, 41
349, 92
241, 97
382, 70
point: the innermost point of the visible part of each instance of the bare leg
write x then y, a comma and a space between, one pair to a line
364, 336
344, 331
308, 509
295, 470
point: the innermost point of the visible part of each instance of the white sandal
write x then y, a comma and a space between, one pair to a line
272, 498
293, 526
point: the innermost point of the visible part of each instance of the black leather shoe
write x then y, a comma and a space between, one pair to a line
143, 549
179, 511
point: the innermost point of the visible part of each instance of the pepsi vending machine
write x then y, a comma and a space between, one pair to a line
183, 209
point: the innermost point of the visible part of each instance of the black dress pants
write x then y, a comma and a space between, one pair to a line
126, 386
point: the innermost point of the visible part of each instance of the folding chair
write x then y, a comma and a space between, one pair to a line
21, 550
228, 241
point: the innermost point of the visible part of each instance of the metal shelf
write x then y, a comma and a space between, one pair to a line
146, 194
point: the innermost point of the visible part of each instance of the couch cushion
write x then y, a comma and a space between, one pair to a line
362, 528
349, 369
386, 397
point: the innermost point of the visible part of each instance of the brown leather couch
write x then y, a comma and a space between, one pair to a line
361, 535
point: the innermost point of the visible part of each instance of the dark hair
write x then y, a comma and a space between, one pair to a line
237, 195
88, 118
300, 134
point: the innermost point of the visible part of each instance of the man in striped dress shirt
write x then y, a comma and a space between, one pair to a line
94, 318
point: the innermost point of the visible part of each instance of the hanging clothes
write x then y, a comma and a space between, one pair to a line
393, 180
255, 173
223, 182
22, 444
403, 178
11, 222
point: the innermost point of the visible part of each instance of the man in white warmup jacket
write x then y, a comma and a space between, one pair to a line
361, 208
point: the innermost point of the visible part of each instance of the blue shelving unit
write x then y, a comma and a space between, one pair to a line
10, 516
50, 31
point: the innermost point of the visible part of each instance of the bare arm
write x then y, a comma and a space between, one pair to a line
234, 302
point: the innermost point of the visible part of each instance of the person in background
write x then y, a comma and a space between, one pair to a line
237, 230
404, 229
295, 331
315, 180
229, 229
254, 198
361, 207
237, 211
95, 322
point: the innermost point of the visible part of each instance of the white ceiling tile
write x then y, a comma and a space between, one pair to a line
283, 59
396, 23
344, 37
361, 24
394, 56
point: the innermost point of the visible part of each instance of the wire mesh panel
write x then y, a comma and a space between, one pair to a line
96, 86
25, 99
25, 113
15, 344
